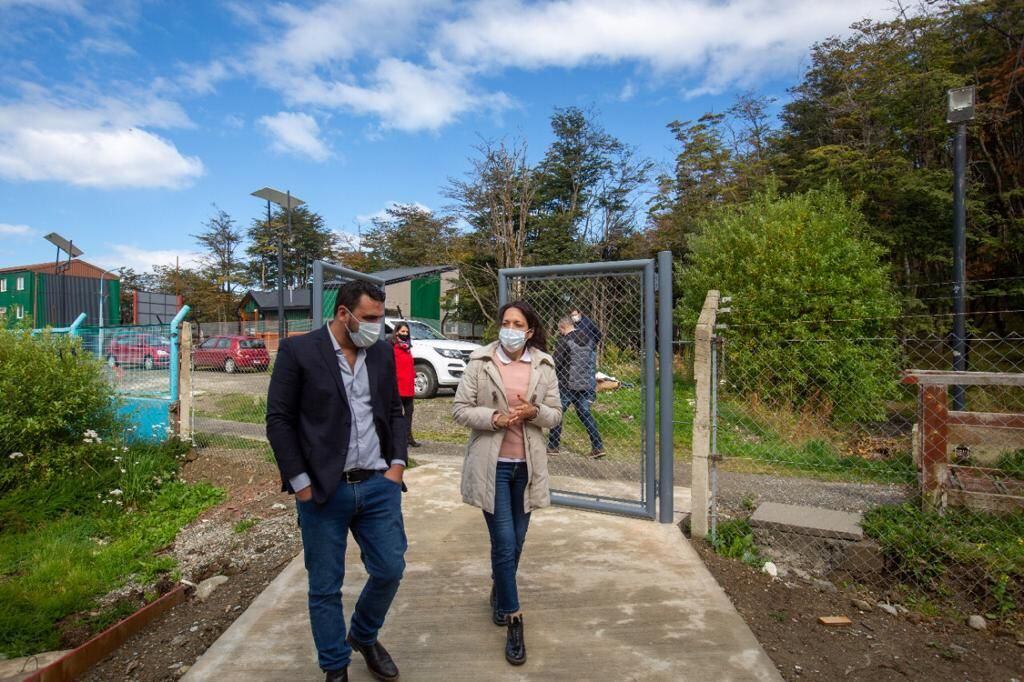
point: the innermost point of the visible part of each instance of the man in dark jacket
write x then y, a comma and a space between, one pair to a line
574, 365
335, 423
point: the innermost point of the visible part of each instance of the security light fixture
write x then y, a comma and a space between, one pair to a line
960, 104
285, 200
288, 202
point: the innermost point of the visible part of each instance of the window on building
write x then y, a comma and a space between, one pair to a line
3, 284
19, 284
19, 311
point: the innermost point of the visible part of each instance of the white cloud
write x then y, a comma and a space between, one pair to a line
143, 260
106, 46
74, 7
204, 79
100, 145
8, 230
295, 133
402, 95
721, 43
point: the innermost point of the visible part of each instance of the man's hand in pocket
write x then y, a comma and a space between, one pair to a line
304, 495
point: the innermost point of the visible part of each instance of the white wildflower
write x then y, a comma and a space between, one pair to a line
16, 455
124, 471
119, 503
116, 492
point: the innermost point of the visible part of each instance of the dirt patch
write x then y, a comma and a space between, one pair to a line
248, 539
783, 615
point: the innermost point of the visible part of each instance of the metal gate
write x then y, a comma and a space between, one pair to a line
608, 456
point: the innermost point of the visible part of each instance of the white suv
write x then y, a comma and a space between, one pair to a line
440, 361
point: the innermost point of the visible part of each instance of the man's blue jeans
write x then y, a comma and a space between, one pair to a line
581, 401
507, 527
372, 510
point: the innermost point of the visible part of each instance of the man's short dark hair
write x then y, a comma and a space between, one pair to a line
350, 293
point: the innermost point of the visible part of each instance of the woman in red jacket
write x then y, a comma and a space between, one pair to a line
406, 372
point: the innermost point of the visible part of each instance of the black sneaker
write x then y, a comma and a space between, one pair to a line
515, 644
413, 443
497, 616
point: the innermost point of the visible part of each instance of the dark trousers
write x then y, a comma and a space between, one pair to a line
407, 407
507, 527
372, 510
581, 401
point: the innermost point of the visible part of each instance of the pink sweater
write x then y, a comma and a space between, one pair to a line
516, 378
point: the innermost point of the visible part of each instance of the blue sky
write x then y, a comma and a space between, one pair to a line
123, 121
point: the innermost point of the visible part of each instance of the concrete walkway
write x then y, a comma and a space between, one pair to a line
605, 598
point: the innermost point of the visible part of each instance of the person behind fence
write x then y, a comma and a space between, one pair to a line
587, 326
577, 384
507, 395
405, 368
336, 426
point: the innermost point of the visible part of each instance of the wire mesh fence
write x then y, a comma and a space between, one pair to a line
599, 449
138, 358
892, 484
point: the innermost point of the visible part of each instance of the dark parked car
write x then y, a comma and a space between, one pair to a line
231, 353
139, 348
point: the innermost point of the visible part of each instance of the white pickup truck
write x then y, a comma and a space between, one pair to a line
440, 361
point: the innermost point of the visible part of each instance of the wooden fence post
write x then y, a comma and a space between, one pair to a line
934, 420
700, 492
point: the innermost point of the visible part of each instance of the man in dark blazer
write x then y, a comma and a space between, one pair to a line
335, 423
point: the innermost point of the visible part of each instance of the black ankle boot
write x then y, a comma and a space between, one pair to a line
515, 645
497, 616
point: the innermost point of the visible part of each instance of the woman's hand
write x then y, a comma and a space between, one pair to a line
525, 411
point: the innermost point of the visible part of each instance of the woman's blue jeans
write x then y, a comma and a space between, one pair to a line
507, 527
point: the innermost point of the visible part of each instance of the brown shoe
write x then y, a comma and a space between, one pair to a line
596, 454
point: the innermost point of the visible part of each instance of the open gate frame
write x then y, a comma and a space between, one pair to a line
655, 477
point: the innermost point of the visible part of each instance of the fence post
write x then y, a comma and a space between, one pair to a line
666, 388
700, 491
934, 421
185, 390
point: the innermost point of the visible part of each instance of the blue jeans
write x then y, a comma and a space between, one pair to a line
507, 527
581, 401
372, 510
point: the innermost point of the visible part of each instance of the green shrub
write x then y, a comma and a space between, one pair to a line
735, 539
55, 393
791, 265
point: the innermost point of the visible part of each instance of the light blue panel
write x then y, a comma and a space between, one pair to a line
149, 416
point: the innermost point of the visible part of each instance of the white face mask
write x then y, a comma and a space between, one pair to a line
366, 333
577, 317
512, 340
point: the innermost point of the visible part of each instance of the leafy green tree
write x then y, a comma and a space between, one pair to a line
409, 235
810, 299
221, 240
309, 239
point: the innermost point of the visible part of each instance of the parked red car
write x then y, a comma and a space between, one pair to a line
139, 348
232, 353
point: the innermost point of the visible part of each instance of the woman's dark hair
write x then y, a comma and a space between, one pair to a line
350, 293
539, 340
396, 327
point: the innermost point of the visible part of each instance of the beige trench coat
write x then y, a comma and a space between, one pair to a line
480, 394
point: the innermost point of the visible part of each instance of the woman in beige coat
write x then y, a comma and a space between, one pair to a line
507, 395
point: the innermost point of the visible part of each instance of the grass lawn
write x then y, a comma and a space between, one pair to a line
234, 407
62, 547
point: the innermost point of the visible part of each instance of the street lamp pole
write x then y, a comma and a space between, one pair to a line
287, 202
960, 110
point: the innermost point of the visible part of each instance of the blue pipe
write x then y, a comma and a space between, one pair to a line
174, 350
73, 329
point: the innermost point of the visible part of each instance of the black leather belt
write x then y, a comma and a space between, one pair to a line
358, 475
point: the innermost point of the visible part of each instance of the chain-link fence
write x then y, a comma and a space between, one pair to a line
138, 357
837, 460
230, 376
599, 334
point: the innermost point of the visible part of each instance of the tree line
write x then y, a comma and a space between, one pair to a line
867, 116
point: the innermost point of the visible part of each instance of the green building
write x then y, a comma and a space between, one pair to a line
49, 295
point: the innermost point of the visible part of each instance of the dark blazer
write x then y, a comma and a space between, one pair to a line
308, 419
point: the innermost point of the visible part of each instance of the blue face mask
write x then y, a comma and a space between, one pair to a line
512, 340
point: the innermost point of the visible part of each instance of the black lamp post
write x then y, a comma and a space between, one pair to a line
286, 201
960, 110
